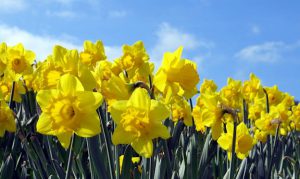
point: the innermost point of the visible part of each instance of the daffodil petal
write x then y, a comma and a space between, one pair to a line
65, 139
44, 125
44, 97
89, 126
160, 130
68, 84
139, 99
158, 111
225, 142
88, 101
144, 147
117, 109
121, 137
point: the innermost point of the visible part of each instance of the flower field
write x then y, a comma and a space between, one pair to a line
77, 114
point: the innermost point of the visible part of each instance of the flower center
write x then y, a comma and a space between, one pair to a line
67, 111
136, 121
18, 65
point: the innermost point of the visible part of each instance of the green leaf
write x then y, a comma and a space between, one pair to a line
7, 168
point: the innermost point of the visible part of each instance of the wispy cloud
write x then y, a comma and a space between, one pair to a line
61, 14
268, 52
117, 14
12, 6
42, 45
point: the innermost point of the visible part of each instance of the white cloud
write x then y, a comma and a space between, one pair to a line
117, 14
268, 52
170, 38
12, 6
61, 14
255, 29
41, 45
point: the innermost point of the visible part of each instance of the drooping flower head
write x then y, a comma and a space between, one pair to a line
68, 109
139, 121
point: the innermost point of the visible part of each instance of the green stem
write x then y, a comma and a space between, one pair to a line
167, 153
107, 143
267, 100
273, 151
12, 95
233, 156
70, 159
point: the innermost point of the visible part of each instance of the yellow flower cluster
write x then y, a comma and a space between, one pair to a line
264, 109
70, 86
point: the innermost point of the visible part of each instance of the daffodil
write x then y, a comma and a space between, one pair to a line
243, 143
6, 83
111, 86
92, 53
208, 86
275, 96
139, 121
68, 109
133, 56
7, 122
231, 95
176, 76
19, 61
252, 89
135, 63
267, 122
296, 117
212, 114
181, 110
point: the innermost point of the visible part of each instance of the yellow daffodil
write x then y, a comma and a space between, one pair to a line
133, 56
139, 119
92, 53
255, 108
274, 95
176, 76
231, 94
208, 86
212, 114
68, 109
112, 87
243, 143
6, 86
19, 61
63, 61
135, 63
267, 122
252, 89
7, 122
296, 117
181, 110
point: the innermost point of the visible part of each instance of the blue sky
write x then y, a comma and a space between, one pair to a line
227, 38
